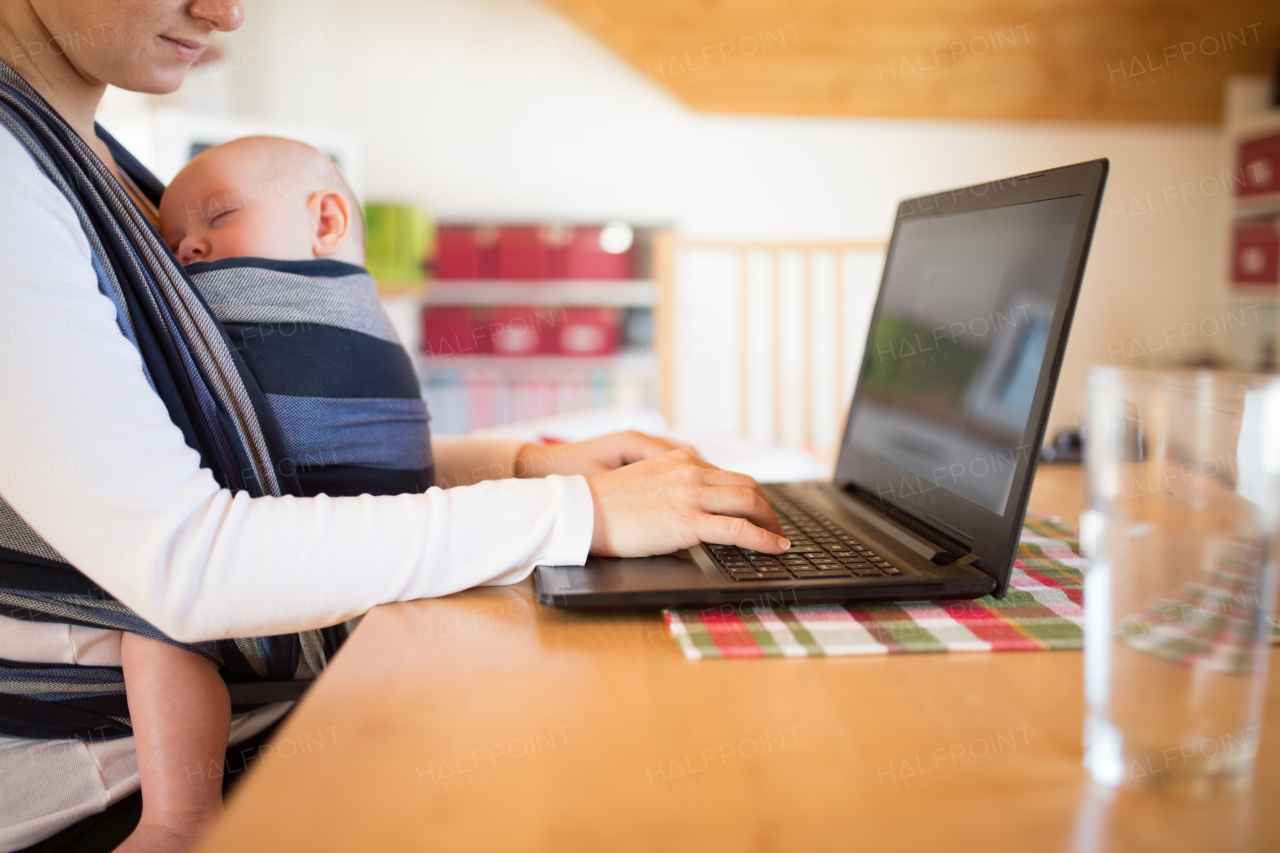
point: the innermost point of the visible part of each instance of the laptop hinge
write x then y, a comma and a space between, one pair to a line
930, 551
943, 536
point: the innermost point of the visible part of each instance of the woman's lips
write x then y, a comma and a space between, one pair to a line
185, 48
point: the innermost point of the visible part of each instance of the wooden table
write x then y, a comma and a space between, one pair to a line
483, 721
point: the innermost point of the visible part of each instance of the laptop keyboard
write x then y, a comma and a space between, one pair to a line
820, 549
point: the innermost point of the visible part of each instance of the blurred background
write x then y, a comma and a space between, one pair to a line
677, 211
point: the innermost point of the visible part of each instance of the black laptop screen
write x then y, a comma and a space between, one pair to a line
956, 350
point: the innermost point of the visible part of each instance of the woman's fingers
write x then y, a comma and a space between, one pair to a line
612, 451
699, 473
680, 445
654, 446
720, 477
742, 502
597, 455
639, 445
662, 504
726, 530
662, 443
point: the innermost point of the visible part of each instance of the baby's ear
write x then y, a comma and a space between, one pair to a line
331, 216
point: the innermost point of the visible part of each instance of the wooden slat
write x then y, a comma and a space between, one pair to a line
1013, 59
807, 302
744, 418
664, 320
777, 344
840, 330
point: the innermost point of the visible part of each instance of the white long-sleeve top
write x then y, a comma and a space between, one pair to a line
91, 461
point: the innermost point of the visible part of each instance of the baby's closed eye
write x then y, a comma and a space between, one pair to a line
223, 218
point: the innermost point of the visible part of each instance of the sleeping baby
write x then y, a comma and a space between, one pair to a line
273, 239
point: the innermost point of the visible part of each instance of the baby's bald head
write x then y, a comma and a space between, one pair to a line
262, 196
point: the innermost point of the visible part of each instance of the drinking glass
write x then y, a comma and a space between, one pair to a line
1184, 485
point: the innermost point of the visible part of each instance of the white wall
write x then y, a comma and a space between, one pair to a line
500, 108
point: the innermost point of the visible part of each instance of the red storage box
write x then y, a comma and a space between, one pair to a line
457, 255
521, 253
556, 240
450, 330
466, 252
524, 330
589, 331
1260, 166
588, 259
1255, 252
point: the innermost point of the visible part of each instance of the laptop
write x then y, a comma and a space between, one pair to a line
945, 428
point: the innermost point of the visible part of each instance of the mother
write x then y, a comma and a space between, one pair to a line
141, 486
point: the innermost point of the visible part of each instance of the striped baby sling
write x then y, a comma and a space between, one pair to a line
251, 397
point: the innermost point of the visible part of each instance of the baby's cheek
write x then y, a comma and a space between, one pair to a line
235, 241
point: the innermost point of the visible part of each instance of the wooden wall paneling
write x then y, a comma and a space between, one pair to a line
1086, 60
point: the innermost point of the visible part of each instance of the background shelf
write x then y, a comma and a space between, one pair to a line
520, 365
604, 294
466, 393
1260, 206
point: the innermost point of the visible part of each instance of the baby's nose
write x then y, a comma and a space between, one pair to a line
191, 250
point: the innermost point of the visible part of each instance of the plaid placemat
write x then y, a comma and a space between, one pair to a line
1042, 610
1210, 624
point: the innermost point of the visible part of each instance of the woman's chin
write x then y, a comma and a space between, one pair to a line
163, 79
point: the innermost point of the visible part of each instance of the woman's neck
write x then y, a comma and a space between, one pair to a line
28, 48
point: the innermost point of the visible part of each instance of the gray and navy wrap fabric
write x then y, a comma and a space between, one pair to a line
343, 390
224, 397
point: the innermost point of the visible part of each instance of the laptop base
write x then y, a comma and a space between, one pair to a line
692, 579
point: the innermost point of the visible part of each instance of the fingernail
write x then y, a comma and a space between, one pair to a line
785, 544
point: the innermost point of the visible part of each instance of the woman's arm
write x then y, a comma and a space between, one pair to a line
463, 461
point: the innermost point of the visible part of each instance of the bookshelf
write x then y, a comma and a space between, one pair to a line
472, 376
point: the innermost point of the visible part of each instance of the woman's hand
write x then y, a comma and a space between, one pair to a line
595, 456
676, 500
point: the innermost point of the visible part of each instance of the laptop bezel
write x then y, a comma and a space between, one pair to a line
953, 521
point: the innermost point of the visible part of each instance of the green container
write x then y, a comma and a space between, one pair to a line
397, 240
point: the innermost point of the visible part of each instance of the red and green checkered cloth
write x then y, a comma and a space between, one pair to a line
1214, 620
1042, 610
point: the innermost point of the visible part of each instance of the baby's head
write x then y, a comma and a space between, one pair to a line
261, 197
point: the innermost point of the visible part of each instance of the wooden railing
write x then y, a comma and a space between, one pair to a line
785, 295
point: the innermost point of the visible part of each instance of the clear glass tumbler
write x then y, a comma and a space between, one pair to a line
1184, 485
